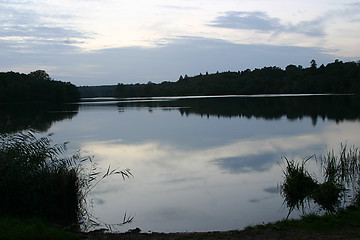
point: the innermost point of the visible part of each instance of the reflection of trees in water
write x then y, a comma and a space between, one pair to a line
41, 116
334, 107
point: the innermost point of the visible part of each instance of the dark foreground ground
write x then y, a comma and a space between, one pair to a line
344, 225
257, 234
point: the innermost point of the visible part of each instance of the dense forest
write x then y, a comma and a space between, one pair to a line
36, 86
337, 77
97, 91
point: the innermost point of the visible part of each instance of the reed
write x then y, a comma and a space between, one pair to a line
340, 186
298, 185
38, 181
342, 168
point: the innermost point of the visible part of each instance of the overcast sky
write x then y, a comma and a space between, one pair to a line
97, 42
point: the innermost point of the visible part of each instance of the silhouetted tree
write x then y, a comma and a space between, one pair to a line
313, 63
35, 86
40, 75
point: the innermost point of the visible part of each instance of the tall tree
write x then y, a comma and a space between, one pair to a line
40, 75
313, 63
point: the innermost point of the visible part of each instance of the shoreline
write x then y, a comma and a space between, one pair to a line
253, 234
343, 225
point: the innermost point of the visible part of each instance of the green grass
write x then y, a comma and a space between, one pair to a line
348, 220
31, 229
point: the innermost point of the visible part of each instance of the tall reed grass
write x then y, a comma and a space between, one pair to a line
340, 186
37, 181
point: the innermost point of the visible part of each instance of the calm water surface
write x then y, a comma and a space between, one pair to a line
201, 164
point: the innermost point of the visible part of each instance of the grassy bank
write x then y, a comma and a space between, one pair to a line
31, 229
345, 221
343, 225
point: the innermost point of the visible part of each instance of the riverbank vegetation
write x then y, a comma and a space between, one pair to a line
32, 229
337, 77
338, 189
345, 224
38, 181
36, 86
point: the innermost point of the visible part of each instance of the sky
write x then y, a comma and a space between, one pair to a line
102, 42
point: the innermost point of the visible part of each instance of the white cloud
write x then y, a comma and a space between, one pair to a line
112, 24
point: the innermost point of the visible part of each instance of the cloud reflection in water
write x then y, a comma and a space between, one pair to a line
193, 173
172, 185
255, 163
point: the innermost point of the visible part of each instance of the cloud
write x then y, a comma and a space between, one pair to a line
39, 38
25, 29
41, 32
177, 7
182, 55
261, 21
247, 20
313, 28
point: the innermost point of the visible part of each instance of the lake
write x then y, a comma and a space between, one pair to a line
198, 163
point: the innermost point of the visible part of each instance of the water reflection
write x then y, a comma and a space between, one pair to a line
254, 163
37, 116
206, 163
275, 107
218, 187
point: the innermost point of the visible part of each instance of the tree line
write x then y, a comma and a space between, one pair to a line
337, 77
97, 91
36, 86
